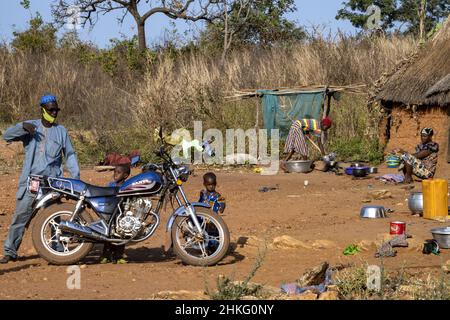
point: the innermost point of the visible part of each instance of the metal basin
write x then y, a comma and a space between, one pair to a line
299, 166
442, 236
373, 212
415, 202
373, 170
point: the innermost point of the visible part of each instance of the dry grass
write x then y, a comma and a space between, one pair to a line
196, 84
175, 91
87, 95
395, 285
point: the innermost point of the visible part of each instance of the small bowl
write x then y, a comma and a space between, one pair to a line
373, 212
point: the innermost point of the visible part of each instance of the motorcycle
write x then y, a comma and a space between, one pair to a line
70, 216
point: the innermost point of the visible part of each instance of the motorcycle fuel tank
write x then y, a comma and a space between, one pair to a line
145, 183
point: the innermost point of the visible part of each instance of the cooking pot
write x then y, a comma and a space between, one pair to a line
373, 170
359, 172
442, 236
302, 166
349, 170
415, 202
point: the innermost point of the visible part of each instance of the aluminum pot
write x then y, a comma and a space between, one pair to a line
302, 166
415, 202
373, 170
442, 236
373, 212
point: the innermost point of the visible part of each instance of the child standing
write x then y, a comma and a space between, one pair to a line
113, 253
210, 196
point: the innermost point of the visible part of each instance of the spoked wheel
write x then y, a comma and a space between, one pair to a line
204, 249
52, 243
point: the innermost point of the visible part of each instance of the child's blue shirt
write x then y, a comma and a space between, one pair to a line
214, 199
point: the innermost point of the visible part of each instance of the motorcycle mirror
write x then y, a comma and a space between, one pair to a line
159, 152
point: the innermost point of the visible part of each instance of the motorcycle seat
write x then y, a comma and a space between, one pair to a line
95, 191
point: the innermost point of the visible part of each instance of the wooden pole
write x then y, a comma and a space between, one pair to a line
326, 111
313, 143
257, 114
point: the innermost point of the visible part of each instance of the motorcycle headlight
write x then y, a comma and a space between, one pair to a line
184, 171
177, 161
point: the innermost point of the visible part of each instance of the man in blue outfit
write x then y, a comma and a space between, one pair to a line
45, 143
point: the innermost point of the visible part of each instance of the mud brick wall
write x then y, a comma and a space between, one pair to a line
406, 126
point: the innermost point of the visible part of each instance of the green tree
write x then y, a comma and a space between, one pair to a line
261, 22
435, 12
396, 13
39, 37
25, 4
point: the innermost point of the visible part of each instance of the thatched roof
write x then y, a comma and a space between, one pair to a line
425, 80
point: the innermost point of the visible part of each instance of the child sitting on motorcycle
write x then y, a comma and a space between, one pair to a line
210, 196
113, 253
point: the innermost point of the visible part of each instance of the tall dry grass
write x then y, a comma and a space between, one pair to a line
176, 90
88, 96
199, 82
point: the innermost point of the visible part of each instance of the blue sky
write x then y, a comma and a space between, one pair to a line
14, 17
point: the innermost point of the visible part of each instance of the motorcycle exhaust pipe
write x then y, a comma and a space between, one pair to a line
80, 230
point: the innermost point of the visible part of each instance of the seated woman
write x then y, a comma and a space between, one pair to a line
422, 163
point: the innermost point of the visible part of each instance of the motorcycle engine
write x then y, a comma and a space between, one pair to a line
131, 220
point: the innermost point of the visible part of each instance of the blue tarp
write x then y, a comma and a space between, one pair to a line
281, 108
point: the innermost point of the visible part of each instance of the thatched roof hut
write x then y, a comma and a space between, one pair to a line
417, 94
425, 80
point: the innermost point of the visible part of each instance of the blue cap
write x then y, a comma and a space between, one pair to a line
47, 99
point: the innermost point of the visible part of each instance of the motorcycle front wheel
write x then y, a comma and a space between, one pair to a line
204, 249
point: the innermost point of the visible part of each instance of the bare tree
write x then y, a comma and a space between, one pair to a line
140, 10
241, 14
421, 12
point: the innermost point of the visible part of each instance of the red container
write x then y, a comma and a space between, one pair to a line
398, 227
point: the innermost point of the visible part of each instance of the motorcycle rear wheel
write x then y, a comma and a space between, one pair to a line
201, 252
46, 218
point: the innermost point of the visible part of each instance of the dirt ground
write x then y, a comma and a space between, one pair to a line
324, 216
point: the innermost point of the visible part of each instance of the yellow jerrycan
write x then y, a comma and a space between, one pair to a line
435, 199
